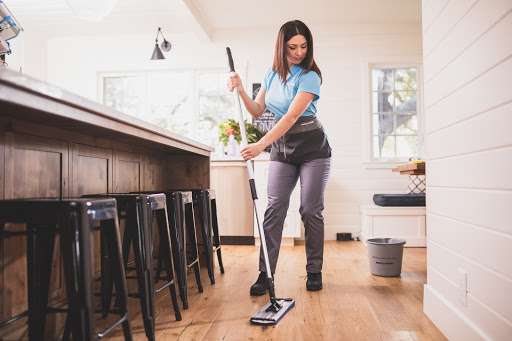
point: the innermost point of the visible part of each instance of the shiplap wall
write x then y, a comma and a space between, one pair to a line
467, 55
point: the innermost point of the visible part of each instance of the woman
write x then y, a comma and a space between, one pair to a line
300, 148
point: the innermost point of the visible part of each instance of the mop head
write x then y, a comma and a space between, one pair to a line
270, 314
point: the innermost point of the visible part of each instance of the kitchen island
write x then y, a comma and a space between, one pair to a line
54, 143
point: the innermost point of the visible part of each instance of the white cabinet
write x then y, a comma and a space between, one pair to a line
230, 181
292, 223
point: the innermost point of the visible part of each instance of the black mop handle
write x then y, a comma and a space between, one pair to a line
230, 60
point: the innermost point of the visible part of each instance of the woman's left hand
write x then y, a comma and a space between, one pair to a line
251, 150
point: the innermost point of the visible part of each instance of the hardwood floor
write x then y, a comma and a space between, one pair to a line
353, 305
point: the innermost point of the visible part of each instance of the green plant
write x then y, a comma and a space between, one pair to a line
253, 133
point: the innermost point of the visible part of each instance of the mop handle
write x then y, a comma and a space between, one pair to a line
249, 167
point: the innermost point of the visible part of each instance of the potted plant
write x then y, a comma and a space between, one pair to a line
253, 133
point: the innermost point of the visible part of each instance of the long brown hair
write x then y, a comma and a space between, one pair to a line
287, 32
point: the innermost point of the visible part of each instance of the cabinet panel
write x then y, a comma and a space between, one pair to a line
34, 167
154, 172
128, 172
91, 170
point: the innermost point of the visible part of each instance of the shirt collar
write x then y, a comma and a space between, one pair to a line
294, 69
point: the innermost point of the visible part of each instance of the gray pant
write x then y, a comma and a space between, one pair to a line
282, 179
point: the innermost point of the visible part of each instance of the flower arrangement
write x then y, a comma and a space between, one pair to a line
253, 133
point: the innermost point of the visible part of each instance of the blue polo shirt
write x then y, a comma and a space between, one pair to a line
279, 96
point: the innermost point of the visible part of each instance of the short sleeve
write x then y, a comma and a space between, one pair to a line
310, 82
264, 84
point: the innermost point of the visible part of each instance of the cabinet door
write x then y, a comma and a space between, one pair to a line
292, 223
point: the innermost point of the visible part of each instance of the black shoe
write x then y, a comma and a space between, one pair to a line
260, 287
314, 282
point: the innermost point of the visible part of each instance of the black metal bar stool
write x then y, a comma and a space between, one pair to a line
181, 219
140, 209
74, 220
207, 209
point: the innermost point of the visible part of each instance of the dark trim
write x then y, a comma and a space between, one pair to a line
237, 240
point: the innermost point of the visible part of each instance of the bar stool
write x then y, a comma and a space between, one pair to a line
140, 209
74, 220
181, 218
207, 208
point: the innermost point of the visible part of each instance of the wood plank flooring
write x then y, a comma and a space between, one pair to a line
353, 305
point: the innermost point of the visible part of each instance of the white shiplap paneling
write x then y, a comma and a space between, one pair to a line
486, 208
472, 99
468, 136
494, 47
449, 18
458, 36
468, 96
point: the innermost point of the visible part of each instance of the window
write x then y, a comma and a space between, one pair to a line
191, 103
394, 113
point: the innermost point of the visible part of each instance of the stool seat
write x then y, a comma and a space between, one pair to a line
74, 220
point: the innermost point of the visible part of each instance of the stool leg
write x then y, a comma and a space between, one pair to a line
106, 279
116, 260
139, 224
206, 223
165, 246
178, 241
216, 237
76, 251
39, 264
191, 229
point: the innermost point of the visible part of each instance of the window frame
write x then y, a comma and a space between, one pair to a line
396, 62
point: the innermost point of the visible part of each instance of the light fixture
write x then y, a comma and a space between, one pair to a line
91, 10
166, 46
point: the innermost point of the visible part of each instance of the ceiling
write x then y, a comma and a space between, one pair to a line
208, 16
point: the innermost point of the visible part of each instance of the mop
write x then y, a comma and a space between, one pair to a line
273, 311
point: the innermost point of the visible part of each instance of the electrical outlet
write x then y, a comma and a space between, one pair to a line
462, 286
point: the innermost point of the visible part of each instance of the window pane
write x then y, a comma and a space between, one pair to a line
383, 124
405, 101
406, 146
382, 102
125, 93
208, 84
384, 146
170, 103
407, 124
382, 79
215, 105
405, 79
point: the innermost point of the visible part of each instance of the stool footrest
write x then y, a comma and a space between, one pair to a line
191, 264
109, 329
14, 319
164, 286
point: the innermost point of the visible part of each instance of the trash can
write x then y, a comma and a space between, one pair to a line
385, 256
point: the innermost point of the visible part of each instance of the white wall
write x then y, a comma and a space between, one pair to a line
467, 49
73, 63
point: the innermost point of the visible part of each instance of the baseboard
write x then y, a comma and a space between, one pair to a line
237, 240
285, 241
448, 319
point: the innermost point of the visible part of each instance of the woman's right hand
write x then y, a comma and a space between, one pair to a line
233, 82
